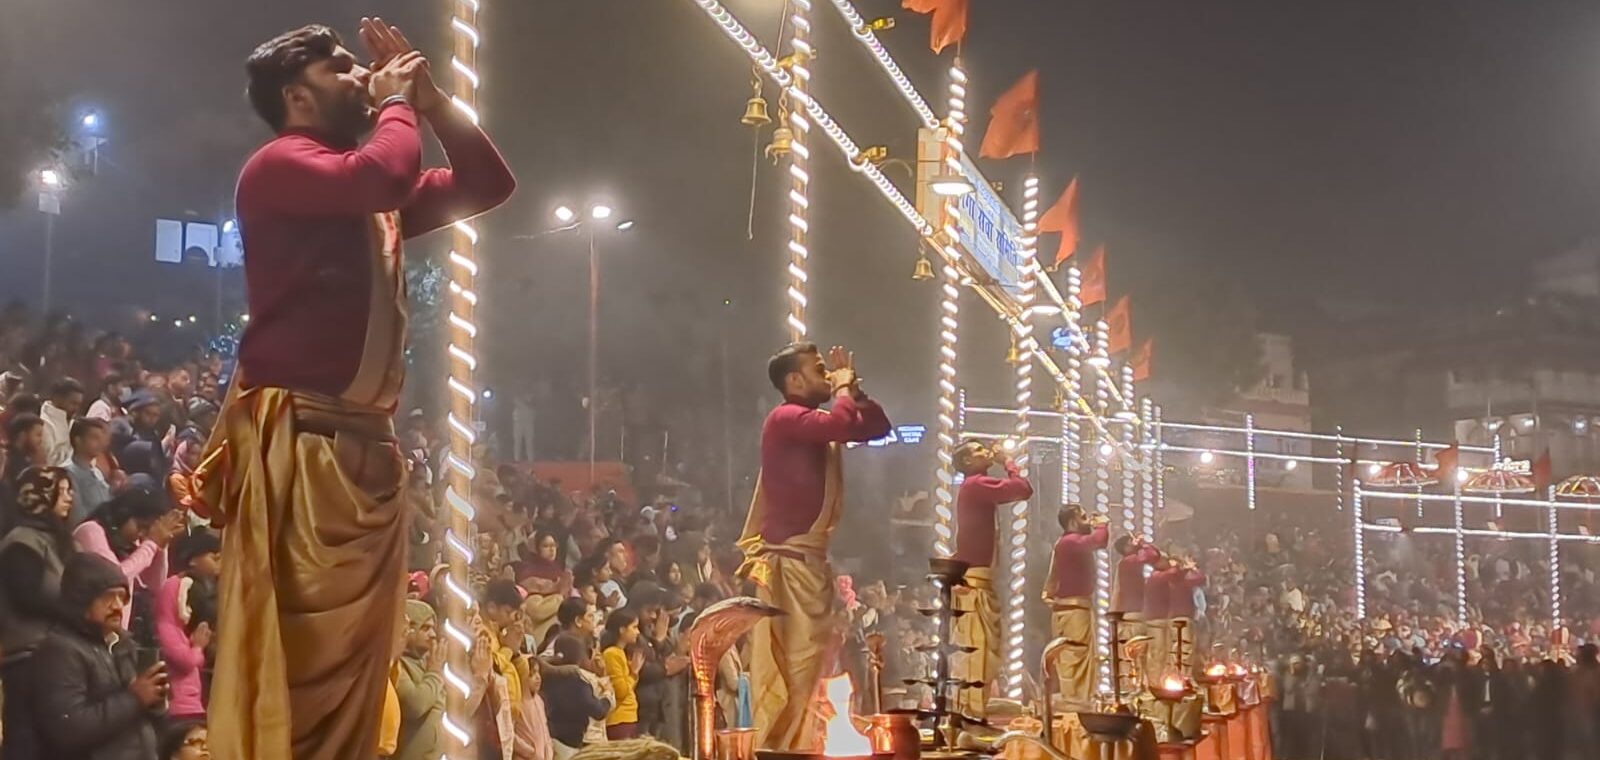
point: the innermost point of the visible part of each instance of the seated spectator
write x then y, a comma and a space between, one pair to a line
571, 700
90, 700
623, 659
182, 635
419, 687
132, 530
32, 557
91, 486
185, 740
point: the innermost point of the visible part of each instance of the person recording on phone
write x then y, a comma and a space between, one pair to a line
93, 700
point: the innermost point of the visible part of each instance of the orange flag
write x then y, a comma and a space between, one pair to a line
1063, 218
949, 20
1447, 459
1093, 288
1540, 469
1014, 121
1119, 325
1141, 360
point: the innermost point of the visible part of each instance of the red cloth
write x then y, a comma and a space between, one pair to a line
976, 503
1072, 564
1128, 595
305, 214
1014, 126
794, 448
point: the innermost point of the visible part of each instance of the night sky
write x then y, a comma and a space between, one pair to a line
1316, 155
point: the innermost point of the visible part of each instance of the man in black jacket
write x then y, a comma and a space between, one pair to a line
569, 701
91, 700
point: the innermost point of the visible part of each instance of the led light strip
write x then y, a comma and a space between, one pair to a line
1250, 460
1461, 552
801, 54
1555, 562
1130, 497
1419, 466
1147, 504
1360, 563
1072, 427
1479, 532
1578, 506
1338, 473
1161, 476
1104, 649
458, 604
869, 40
949, 334
1016, 611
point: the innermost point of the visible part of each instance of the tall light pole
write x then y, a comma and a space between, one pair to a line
598, 219
51, 183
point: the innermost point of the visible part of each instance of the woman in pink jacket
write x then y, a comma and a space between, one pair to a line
132, 531
181, 631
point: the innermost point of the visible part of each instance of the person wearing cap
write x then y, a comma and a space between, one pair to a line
419, 687
977, 503
141, 426
184, 629
91, 701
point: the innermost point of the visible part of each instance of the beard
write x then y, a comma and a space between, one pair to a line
346, 117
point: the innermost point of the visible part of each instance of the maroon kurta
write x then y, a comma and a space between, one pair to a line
980, 496
327, 315
794, 448
1072, 565
1128, 595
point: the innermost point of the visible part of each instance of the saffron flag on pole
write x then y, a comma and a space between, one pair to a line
1141, 360
1119, 325
1014, 121
949, 19
1093, 289
1062, 217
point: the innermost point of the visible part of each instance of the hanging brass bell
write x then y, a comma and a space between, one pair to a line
923, 270
782, 143
755, 112
1013, 355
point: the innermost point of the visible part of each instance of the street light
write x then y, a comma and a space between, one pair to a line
564, 214
600, 211
91, 120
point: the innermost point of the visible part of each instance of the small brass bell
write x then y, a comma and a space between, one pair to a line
755, 109
875, 154
782, 143
923, 270
1013, 356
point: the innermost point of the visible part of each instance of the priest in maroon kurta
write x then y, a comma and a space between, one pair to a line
303, 472
797, 504
980, 497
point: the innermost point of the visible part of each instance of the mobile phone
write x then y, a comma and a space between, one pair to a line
146, 658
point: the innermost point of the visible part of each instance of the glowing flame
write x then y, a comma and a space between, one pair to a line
839, 736
1172, 685
1239, 670
1217, 671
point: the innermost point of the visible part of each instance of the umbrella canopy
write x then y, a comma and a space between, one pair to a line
1498, 481
1400, 475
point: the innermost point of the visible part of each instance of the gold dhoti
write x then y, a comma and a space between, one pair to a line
1073, 620
788, 653
308, 491
1158, 658
979, 628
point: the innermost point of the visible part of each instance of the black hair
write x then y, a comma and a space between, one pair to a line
81, 427
963, 454
1123, 544
615, 622
708, 592
570, 610
20, 424
569, 650
787, 360
503, 593
24, 404
133, 504
66, 386
583, 573
174, 735
280, 62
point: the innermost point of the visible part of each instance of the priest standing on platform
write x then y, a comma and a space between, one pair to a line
981, 495
797, 504
303, 472
1127, 596
1070, 595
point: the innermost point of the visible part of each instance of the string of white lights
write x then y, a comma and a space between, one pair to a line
1338, 475
1072, 429
1419, 466
1250, 460
1130, 475
949, 322
1499, 506
863, 31
1460, 549
1016, 609
1555, 561
800, 53
1578, 506
458, 537
1359, 537
1104, 649
1479, 532
1161, 474
1147, 480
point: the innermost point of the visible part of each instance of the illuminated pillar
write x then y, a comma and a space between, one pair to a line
462, 418
1338, 470
1555, 562
1148, 457
949, 322
1461, 555
1102, 502
801, 53
1360, 563
1016, 598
